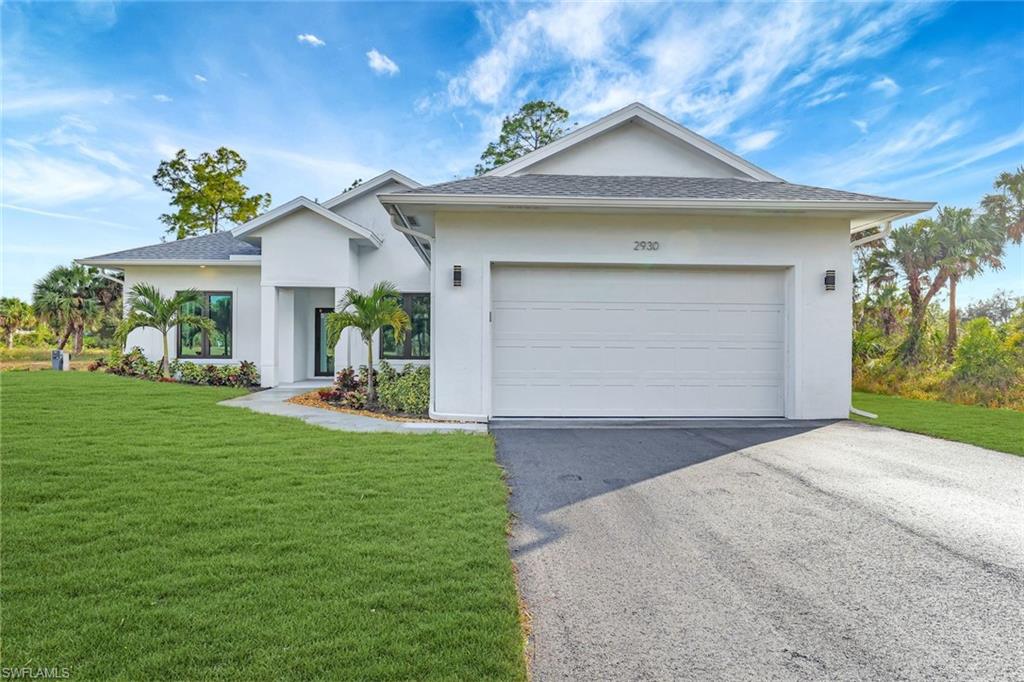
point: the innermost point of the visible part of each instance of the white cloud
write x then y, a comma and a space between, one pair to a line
50, 181
162, 98
886, 86
62, 216
199, 77
310, 39
934, 88
381, 63
860, 124
756, 141
32, 102
698, 63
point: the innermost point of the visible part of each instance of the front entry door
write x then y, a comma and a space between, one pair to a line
324, 365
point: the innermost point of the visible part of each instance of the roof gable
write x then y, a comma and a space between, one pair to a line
302, 203
364, 187
635, 140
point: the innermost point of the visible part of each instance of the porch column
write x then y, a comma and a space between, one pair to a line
285, 335
268, 336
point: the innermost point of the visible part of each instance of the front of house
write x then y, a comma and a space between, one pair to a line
630, 269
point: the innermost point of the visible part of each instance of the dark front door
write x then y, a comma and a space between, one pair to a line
324, 366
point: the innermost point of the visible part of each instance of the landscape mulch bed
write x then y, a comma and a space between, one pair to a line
312, 399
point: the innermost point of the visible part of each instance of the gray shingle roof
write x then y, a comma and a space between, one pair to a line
638, 187
216, 246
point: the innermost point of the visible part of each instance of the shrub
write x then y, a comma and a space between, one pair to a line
406, 392
984, 363
133, 364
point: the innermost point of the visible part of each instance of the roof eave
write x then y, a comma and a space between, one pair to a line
117, 263
502, 201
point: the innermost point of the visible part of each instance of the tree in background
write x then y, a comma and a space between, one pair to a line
207, 192
536, 124
970, 247
998, 308
15, 316
917, 250
367, 313
1006, 208
148, 308
67, 299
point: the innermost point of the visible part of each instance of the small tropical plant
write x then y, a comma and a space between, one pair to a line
368, 313
15, 315
148, 308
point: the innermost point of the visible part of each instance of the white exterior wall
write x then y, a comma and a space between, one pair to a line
395, 260
818, 353
242, 281
634, 149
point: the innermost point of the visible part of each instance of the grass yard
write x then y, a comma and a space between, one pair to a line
996, 429
150, 534
39, 358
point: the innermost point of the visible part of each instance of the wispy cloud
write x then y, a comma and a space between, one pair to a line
381, 63
50, 180
860, 124
64, 216
885, 85
310, 39
200, 78
58, 99
162, 98
756, 141
696, 62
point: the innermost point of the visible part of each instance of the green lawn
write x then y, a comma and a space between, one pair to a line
150, 534
987, 427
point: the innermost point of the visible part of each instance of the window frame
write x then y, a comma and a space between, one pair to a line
406, 354
205, 343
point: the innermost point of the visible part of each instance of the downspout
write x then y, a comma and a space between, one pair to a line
402, 225
881, 234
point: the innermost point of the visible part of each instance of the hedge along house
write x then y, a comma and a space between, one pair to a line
631, 268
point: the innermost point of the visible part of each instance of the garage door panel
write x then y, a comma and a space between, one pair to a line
611, 341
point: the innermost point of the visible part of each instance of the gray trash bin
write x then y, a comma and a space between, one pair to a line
60, 360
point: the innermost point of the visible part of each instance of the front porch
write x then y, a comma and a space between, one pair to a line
293, 346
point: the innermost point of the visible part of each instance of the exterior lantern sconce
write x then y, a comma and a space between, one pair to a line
830, 280
456, 275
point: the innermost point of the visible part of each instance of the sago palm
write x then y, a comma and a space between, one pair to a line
148, 308
368, 313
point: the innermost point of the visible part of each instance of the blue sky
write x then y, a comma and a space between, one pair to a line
922, 101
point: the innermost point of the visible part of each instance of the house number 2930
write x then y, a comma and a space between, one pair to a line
644, 245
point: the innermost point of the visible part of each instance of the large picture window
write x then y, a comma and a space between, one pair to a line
416, 345
196, 343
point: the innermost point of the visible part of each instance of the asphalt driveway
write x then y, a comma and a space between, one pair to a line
841, 551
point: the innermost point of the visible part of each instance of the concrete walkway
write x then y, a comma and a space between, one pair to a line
274, 401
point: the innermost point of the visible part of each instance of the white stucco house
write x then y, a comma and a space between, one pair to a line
631, 268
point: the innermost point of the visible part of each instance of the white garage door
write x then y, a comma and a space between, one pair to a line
629, 341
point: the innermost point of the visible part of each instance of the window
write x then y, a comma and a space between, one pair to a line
196, 343
416, 345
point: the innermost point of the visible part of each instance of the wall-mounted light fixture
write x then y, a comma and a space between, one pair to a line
830, 280
456, 275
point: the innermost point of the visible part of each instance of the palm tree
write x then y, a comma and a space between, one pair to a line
971, 246
368, 313
15, 315
147, 308
66, 299
916, 250
1007, 207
